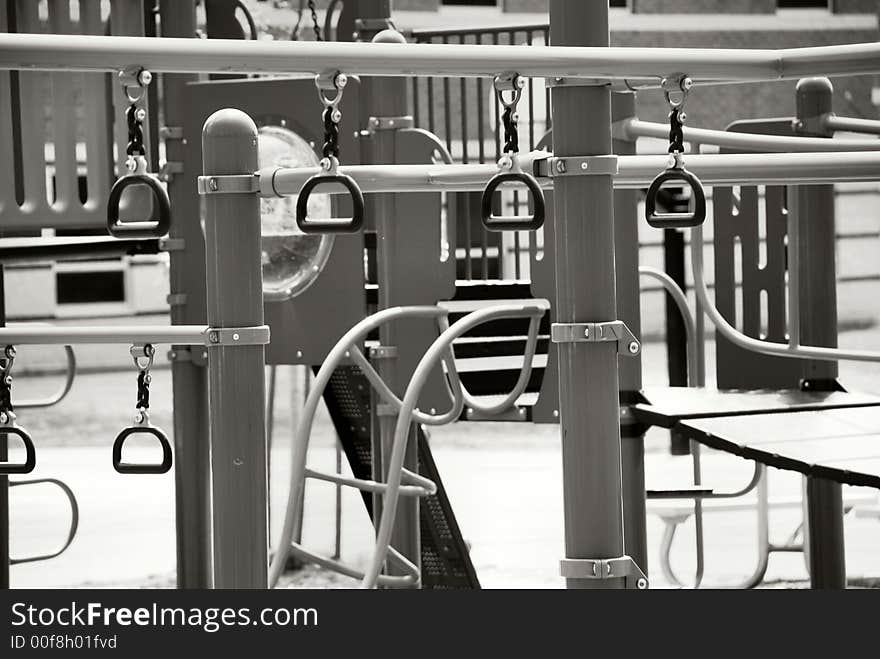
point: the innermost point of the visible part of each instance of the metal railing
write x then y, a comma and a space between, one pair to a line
473, 135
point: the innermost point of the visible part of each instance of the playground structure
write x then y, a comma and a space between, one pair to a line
390, 181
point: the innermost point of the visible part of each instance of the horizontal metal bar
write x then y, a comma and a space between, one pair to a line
633, 128
633, 172
178, 55
122, 334
852, 125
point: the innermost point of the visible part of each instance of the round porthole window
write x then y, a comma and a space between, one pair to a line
292, 260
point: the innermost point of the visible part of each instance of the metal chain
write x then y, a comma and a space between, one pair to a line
135, 117
316, 26
675, 89
134, 86
511, 134
6, 381
509, 117
676, 132
331, 117
139, 353
143, 393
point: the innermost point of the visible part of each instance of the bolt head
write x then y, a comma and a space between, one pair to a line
686, 84
560, 166
145, 77
587, 332
336, 116
213, 184
236, 336
341, 80
213, 337
633, 347
584, 166
642, 583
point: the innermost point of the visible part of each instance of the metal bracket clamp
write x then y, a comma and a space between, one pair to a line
197, 356
575, 166
168, 170
229, 184
375, 124
616, 330
171, 132
604, 568
237, 336
383, 352
172, 244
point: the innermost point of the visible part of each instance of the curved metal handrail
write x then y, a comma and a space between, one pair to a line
61, 394
728, 331
74, 518
401, 431
402, 482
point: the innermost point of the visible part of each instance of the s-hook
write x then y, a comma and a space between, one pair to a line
332, 82
143, 360
135, 86
8, 426
509, 167
676, 88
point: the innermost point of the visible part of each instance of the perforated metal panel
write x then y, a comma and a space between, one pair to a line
446, 563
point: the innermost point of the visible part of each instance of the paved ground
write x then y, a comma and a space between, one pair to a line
504, 481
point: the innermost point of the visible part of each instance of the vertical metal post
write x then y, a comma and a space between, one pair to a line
4, 480
824, 527
192, 456
816, 274
386, 97
817, 320
676, 341
586, 292
626, 246
236, 378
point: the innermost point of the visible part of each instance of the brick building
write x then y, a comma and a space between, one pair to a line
705, 24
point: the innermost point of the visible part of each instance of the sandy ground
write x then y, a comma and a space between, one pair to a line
504, 481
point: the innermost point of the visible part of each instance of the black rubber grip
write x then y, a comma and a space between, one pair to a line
30, 453
513, 222
351, 224
156, 228
676, 220
130, 468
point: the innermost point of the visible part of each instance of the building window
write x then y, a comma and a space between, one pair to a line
802, 4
